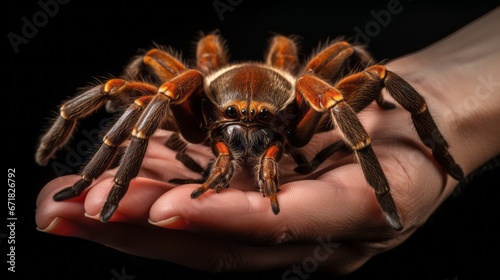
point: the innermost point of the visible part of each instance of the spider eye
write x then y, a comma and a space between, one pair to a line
264, 114
231, 112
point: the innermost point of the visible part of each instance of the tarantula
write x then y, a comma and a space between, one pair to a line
249, 113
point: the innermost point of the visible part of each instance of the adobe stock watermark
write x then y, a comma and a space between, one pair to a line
310, 264
222, 6
31, 26
381, 19
121, 275
11, 219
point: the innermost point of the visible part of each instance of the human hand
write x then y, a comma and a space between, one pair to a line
331, 216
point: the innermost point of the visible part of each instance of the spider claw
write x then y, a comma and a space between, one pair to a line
394, 221
456, 171
390, 211
107, 211
72, 191
197, 192
115, 195
274, 204
65, 194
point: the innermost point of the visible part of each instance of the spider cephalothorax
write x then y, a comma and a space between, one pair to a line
249, 113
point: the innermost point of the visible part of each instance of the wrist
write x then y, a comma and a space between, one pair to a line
460, 81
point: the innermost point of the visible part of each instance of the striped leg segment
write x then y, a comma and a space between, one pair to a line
221, 172
82, 106
267, 174
100, 161
157, 113
325, 98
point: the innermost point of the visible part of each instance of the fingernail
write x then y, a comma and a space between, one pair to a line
64, 227
177, 223
117, 217
95, 217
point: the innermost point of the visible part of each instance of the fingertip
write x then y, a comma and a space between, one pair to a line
231, 210
97, 196
65, 194
65, 227
274, 204
51, 216
230, 201
49, 189
135, 205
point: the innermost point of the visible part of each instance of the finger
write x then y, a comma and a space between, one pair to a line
134, 207
61, 218
159, 164
56, 184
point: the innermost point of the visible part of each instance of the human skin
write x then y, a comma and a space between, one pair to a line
236, 230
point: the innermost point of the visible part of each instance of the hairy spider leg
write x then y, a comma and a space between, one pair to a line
158, 65
211, 54
221, 172
155, 65
173, 96
305, 166
338, 60
424, 124
354, 93
267, 174
177, 144
282, 54
330, 64
324, 98
81, 106
100, 161
123, 91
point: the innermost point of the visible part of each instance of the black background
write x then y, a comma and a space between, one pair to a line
88, 39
